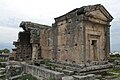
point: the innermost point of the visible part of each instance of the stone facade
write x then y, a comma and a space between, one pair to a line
79, 36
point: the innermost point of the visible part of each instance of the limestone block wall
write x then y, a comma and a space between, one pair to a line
70, 41
42, 72
82, 35
23, 52
23, 46
46, 43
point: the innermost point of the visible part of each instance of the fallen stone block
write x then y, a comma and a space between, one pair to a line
67, 78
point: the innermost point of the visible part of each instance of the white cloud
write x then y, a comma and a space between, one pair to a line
50, 9
7, 34
12, 12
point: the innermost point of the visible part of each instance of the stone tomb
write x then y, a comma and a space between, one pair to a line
81, 36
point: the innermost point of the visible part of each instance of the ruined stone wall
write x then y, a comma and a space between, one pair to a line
23, 52
29, 44
69, 41
23, 46
46, 43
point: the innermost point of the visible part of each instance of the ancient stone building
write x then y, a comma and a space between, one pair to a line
79, 36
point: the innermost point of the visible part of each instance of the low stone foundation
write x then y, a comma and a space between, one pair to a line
13, 70
116, 64
49, 70
76, 77
42, 72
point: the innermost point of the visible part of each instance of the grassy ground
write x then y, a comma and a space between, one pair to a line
115, 71
1, 60
115, 58
26, 77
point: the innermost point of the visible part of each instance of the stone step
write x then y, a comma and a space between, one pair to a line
68, 72
65, 71
77, 77
85, 77
59, 69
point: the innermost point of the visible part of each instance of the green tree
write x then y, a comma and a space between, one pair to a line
5, 50
0, 51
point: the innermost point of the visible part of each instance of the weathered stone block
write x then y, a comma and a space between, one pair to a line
86, 77
67, 78
68, 72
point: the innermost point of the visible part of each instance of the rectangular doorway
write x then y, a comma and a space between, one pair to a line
94, 49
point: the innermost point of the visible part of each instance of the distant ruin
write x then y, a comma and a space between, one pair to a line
78, 37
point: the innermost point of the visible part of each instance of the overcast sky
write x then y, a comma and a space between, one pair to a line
12, 12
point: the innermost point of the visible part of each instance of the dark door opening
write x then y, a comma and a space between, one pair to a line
94, 49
